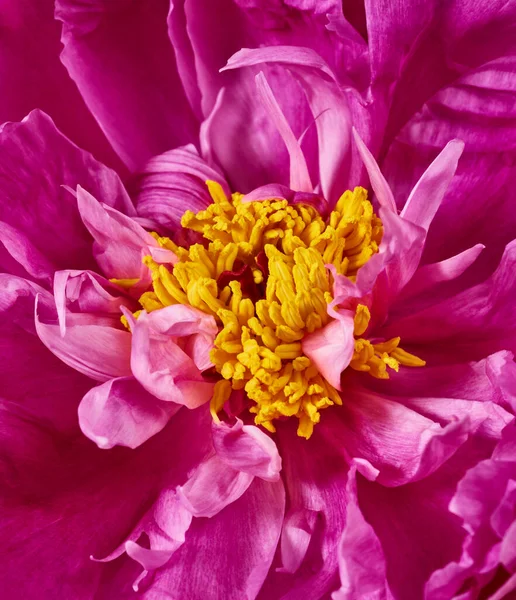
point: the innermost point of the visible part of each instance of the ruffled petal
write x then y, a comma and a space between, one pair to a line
90, 345
170, 349
106, 47
121, 412
230, 566
362, 562
43, 226
119, 243
172, 183
247, 448
331, 348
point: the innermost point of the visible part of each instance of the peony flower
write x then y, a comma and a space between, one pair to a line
258, 301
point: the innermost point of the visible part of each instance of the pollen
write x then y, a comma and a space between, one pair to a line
263, 274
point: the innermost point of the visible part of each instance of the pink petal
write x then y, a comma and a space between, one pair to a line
121, 412
172, 183
331, 348
105, 50
379, 184
89, 346
42, 226
247, 448
164, 368
299, 176
119, 243
425, 198
362, 564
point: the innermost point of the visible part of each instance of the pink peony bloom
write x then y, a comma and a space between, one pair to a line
228, 370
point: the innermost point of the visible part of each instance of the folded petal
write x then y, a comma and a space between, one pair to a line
247, 448
121, 412
170, 349
90, 345
172, 183
120, 243
331, 348
241, 562
362, 562
37, 208
106, 47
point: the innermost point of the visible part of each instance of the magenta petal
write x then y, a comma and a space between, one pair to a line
120, 412
424, 200
89, 346
247, 448
172, 183
44, 230
331, 348
170, 348
241, 561
362, 562
105, 48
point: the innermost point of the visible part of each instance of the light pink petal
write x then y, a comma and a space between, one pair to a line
87, 292
247, 448
431, 275
120, 412
429, 191
362, 564
89, 345
331, 348
170, 371
213, 486
299, 176
329, 107
106, 49
119, 243
378, 183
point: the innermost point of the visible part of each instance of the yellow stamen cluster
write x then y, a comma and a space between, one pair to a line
259, 348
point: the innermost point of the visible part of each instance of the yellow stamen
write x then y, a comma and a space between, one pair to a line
259, 344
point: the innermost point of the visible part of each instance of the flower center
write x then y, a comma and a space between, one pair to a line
263, 276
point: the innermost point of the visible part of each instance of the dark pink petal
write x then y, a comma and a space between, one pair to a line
121, 412
362, 562
33, 77
479, 320
241, 562
120, 243
404, 445
35, 384
315, 477
90, 345
107, 47
43, 227
67, 489
172, 183
170, 349
247, 448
